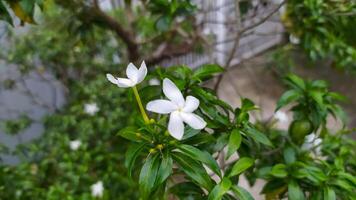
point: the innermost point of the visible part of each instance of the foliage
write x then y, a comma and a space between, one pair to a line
55, 171
290, 170
325, 29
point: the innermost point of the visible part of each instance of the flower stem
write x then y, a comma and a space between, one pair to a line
139, 102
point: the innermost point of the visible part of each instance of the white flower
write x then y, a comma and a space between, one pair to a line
180, 110
91, 108
293, 39
153, 81
134, 76
311, 141
281, 116
97, 189
75, 144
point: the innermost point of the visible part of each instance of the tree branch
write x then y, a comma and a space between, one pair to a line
264, 19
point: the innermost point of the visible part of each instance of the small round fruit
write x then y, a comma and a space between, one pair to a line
299, 129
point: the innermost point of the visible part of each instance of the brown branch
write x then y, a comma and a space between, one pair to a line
234, 48
264, 19
101, 18
165, 51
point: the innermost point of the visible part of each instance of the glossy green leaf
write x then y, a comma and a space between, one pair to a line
288, 97
241, 193
130, 133
203, 157
329, 194
219, 190
148, 175
165, 168
289, 155
234, 142
279, 170
257, 135
206, 71
241, 165
294, 191
295, 81
131, 154
193, 170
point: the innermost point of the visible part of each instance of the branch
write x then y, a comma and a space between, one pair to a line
101, 18
264, 19
165, 51
235, 45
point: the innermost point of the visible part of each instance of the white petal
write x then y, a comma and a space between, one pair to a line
172, 92
132, 72
161, 106
191, 104
142, 72
124, 82
193, 120
176, 126
111, 78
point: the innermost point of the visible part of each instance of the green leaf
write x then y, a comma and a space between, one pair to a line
279, 170
295, 81
219, 190
4, 14
294, 191
165, 168
206, 71
190, 132
203, 157
187, 189
131, 154
289, 155
287, 97
130, 133
241, 165
257, 135
194, 170
148, 175
247, 105
241, 193
329, 194
234, 142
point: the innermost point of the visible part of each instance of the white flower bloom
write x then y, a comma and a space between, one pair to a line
97, 189
293, 39
281, 116
75, 144
91, 108
311, 141
153, 81
134, 76
180, 110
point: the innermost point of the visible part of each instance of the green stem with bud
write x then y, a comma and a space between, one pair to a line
139, 102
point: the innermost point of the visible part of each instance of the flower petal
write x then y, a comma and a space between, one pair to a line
193, 120
111, 78
142, 72
176, 126
124, 82
191, 104
161, 106
172, 92
132, 72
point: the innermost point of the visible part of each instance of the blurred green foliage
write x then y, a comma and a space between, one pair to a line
325, 29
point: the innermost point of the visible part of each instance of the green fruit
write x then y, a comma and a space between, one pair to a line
299, 129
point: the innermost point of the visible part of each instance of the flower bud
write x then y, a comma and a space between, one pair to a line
152, 150
160, 146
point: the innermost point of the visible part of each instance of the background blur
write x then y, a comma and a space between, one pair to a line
54, 57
